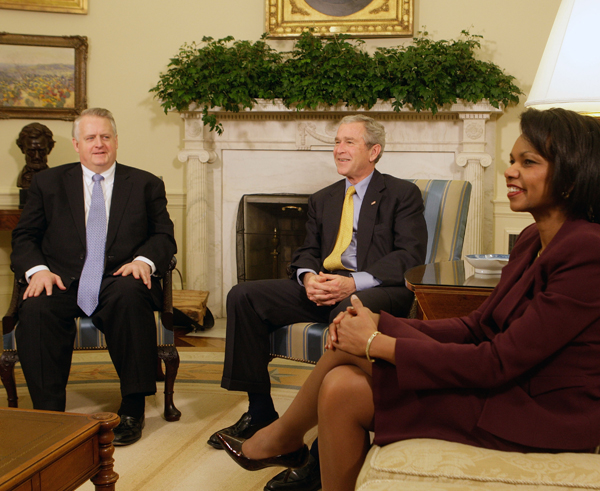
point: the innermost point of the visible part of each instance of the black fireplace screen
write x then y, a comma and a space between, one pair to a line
270, 227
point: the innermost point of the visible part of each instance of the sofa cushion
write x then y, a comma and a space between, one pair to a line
425, 464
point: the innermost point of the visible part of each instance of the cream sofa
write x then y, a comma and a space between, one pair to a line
436, 465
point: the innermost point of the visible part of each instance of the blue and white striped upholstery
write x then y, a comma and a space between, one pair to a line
303, 341
446, 208
88, 337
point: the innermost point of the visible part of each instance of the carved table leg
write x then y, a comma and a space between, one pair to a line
106, 477
170, 356
7, 374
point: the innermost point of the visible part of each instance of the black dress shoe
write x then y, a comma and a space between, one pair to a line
307, 478
128, 431
233, 447
242, 429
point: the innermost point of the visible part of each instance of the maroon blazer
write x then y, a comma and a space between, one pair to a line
531, 352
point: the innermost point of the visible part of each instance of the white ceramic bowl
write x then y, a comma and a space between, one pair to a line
487, 263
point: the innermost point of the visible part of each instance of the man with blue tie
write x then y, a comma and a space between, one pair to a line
363, 233
90, 240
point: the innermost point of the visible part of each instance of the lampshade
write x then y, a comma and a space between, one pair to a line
569, 73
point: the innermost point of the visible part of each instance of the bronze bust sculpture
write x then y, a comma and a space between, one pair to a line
35, 141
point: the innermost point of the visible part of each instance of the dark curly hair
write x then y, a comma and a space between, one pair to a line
570, 142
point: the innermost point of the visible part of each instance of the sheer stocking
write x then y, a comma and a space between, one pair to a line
338, 395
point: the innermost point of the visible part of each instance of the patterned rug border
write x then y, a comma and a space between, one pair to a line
98, 369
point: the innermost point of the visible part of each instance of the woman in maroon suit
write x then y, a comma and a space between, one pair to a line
521, 373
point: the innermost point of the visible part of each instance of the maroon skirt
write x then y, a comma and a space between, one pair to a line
448, 414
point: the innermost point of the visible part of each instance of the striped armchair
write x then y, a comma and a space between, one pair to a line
446, 209
90, 338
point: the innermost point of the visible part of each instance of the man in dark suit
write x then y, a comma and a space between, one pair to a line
52, 254
387, 235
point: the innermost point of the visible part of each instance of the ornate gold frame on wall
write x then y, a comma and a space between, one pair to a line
64, 6
379, 18
78, 45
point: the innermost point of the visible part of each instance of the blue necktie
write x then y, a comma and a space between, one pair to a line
93, 269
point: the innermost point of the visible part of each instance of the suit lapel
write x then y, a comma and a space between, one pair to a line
120, 197
520, 274
367, 216
73, 183
524, 269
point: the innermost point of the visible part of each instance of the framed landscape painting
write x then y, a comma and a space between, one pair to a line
64, 6
42, 77
358, 18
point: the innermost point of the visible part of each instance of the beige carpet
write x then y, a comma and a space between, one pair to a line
175, 456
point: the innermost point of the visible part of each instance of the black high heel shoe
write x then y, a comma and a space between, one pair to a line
233, 448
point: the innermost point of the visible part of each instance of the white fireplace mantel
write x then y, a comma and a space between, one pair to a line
272, 149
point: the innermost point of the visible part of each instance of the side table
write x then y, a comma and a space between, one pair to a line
444, 289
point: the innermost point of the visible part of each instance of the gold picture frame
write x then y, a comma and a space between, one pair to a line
42, 77
358, 18
61, 6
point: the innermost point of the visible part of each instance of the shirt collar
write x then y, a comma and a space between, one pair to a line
88, 174
361, 187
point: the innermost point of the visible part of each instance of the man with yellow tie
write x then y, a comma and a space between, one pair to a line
363, 233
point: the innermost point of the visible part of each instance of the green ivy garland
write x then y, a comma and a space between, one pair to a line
425, 75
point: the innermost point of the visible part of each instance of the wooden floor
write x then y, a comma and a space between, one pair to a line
200, 342
212, 339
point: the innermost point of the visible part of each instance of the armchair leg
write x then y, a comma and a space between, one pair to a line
170, 356
160, 376
7, 373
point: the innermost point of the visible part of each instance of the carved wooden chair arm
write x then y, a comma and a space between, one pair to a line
167, 308
9, 321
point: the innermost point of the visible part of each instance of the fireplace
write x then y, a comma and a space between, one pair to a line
273, 149
269, 228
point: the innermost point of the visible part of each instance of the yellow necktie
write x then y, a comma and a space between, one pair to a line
344, 236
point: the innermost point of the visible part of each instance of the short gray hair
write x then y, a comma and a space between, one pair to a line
374, 130
97, 112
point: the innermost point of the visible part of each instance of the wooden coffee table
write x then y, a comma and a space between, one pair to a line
45, 450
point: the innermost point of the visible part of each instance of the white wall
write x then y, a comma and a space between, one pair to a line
131, 42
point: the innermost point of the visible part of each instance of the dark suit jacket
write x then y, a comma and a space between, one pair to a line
531, 351
391, 236
51, 230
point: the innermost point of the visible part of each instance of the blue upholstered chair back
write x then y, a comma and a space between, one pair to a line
446, 209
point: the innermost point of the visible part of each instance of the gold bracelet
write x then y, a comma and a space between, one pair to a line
369, 346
